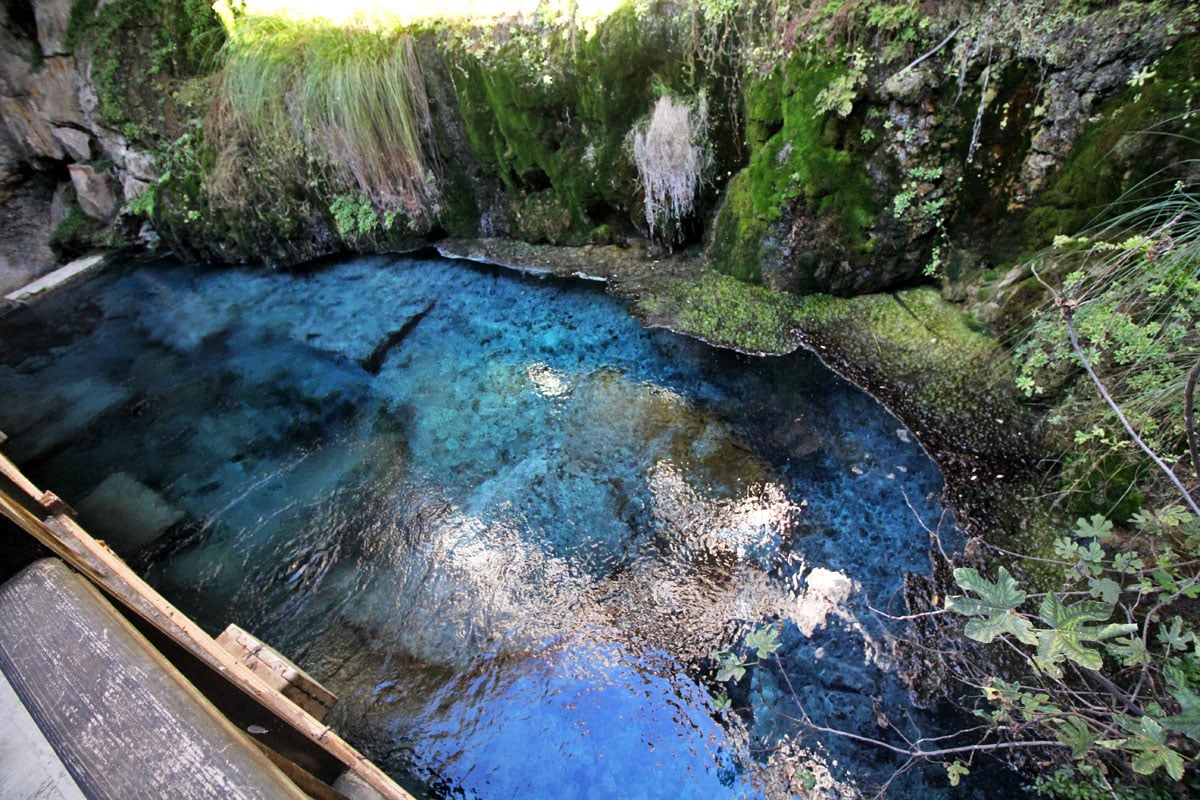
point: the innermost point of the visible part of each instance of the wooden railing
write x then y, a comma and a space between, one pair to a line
51, 521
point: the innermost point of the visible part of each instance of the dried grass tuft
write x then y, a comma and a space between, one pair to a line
671, 154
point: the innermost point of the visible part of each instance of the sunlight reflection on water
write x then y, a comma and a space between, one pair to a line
514, 548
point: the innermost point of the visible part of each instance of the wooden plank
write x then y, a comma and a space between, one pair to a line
70, 542
123, 720
55, 279
278, 671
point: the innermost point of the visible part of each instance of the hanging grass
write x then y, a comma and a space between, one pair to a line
320, 102
670, 152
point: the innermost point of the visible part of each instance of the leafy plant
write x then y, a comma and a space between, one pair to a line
732, 666
995, 610
1132, 292
839, 96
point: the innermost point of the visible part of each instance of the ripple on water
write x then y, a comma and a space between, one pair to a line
514, 543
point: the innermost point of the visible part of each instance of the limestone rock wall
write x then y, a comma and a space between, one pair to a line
844, 167
57, 161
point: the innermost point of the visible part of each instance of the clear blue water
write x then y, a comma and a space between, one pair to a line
514, 550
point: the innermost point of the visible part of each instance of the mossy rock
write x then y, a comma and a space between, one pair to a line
739, 233
1144, 140
807, 213
79, 234
805, 158
543, 217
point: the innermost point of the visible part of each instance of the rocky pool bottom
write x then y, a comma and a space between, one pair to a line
511, 528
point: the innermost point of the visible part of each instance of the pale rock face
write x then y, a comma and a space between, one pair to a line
94, 191
75, 143
28, 131
60, 204
132, 188
140, 165
54, 90
52, 17
46, 102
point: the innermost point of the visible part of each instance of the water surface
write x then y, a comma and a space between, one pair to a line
506, 524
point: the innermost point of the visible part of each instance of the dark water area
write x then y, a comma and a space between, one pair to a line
508, 526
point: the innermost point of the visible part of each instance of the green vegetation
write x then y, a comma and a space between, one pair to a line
78, 234
1100, 671
1111, 662
1132, 293
800, 162
142, 52
554, 110
1134, 148
320, 102
739, 233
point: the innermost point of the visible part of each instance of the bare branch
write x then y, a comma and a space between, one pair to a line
1066, 308
939, 46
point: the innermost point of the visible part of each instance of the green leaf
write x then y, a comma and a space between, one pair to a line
1106, 589
1070, 630
1096, 528
1173, 634
955, 771
763, 641
1165, 580
1187, 721
731, 667
1076, 735
997, 605
1130, 651
1066, 549
1127, 562
1150, 746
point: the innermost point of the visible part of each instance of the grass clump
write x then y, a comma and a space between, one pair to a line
341, 106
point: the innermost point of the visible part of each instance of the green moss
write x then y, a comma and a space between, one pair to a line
723, 311
79, 234
739, 232
81, 16
806, 160
764, 108
552, 111
1127, 156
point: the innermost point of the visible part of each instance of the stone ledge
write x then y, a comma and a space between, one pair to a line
57, 278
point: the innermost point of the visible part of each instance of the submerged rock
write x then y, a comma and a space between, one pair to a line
127, 513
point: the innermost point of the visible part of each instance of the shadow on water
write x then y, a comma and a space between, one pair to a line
511, 537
